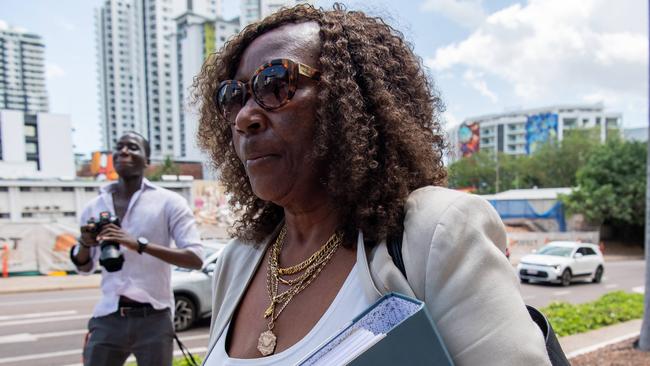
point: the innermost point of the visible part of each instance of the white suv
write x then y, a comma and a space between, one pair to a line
562, 261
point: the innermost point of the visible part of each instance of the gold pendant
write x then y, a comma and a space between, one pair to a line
269, 310
266, 343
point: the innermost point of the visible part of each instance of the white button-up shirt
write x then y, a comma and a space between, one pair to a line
159, 215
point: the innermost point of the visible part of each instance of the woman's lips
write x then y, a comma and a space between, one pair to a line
259, 160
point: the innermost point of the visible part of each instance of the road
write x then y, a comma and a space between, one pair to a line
620, 275
48, 328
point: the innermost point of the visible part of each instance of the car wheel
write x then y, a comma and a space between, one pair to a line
185, 313
524, 280
566, 277
598, 275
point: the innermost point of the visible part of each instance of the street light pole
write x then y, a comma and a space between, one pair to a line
644, 339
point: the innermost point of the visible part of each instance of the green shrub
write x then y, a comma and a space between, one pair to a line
614, 307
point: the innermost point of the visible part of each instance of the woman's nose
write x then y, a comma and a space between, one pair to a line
251, 118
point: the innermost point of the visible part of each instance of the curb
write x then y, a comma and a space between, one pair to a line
594, 347
46, 288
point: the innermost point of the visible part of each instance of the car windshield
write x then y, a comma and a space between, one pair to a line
556, 251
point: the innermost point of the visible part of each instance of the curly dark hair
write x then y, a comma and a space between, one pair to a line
378, 130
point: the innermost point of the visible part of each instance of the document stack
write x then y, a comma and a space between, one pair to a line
396, 330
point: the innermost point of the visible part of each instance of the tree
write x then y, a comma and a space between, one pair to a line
168, 167
477, 171
611, 185
555, 164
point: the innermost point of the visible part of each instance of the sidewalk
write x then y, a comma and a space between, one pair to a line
20, 284
578, 344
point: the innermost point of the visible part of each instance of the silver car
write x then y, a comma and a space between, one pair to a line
193, 290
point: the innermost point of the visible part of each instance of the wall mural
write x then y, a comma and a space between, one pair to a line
540, 128
468, 135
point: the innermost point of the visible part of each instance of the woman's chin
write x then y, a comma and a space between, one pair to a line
268, 193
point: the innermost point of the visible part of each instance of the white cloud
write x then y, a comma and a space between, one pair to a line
467, 13
476, 81
53, 71
548, 49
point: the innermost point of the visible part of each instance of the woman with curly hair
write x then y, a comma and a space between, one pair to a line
325, 131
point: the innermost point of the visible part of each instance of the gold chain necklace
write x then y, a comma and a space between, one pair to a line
311, 267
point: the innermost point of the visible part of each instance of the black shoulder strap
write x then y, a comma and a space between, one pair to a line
394, 246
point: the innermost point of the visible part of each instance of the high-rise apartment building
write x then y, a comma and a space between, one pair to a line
253, 10
197, 37
522, 132
136, 63
22, 70
35, 145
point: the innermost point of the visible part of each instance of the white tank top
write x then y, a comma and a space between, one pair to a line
350, 301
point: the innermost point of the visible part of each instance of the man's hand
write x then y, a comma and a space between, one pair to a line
88, 235
115, 233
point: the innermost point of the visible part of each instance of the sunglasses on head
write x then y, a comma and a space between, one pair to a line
272, 86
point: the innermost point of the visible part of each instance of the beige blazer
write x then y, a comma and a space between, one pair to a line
452, 248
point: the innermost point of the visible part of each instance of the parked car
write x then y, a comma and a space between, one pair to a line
193, 290
562, 261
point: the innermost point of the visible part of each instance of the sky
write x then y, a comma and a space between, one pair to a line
484, 56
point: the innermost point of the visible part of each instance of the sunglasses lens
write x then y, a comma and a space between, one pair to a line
271, 86
230, 99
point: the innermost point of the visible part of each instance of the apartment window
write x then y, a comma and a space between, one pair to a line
31, 148
30, 131
27, 214
569, 122
69, 214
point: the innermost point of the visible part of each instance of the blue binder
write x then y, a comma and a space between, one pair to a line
396, 330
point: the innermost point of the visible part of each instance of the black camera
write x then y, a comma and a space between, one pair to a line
110, 258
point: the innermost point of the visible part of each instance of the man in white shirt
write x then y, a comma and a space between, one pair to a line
134, 314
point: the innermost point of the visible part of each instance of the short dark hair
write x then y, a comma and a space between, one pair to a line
147, 147
378, 130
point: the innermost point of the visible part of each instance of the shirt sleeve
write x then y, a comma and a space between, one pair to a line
94, 251
182, 226
472, 291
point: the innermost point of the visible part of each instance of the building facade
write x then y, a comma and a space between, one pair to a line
22, 70
136, 63
25, 201
197, 37
522, 132
35, 145
254, 10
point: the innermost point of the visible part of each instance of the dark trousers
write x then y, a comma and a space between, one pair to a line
147, 333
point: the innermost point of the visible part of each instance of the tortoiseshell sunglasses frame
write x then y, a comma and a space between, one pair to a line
294, 69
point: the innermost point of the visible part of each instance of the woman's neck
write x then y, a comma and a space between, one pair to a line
311, 225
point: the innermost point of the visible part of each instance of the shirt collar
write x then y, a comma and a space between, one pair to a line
110, 188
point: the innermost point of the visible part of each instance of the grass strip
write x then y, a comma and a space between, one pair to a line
612, 308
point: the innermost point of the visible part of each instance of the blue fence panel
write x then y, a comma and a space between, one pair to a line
516, 209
